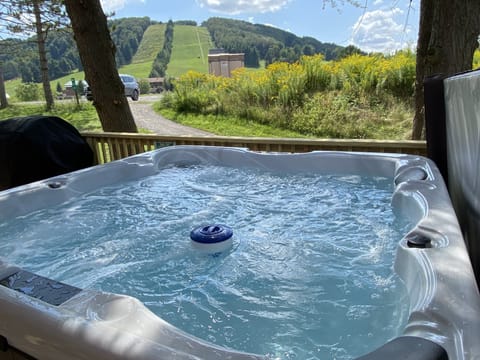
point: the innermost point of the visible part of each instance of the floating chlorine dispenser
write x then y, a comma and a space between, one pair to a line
212, 238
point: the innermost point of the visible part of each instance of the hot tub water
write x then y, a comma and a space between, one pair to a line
309, 274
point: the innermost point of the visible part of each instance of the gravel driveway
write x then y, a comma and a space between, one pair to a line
146, 118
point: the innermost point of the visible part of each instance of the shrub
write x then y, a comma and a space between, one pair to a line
144, 86
199, 93
476, 59
27, 92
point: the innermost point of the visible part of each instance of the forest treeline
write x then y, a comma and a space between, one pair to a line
160, 63
19, 57
262, 42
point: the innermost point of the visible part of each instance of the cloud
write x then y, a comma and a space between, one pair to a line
112, 5
234, 7
379, 31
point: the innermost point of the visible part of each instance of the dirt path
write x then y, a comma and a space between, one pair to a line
146, 118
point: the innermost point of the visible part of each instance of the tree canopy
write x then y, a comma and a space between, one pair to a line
265, 42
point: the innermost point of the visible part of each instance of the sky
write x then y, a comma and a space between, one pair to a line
373, 25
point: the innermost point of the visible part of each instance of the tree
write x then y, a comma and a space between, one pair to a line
447, 40
39, 17
162, 59
97, 53
4, 9
41, 38
251, 57
308, 50
347, 51
3, 94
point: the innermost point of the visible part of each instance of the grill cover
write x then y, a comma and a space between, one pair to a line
37, 147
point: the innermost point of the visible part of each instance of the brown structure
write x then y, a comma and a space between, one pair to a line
223, 64
157, 84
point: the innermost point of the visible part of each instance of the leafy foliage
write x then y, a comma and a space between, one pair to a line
186, 22
144, 86
27, 92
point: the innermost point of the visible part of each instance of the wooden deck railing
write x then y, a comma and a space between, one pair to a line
114, 146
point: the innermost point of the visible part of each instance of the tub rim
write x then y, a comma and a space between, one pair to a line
432, 316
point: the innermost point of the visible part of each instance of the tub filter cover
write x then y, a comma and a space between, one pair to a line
38, 147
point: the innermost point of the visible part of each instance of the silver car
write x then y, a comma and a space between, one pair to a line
131, 88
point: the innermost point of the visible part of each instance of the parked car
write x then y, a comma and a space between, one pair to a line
132, 89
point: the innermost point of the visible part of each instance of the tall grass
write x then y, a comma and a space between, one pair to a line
356, 97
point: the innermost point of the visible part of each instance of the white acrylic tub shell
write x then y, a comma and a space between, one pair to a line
444, 299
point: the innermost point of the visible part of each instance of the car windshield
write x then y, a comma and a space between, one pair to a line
126, 78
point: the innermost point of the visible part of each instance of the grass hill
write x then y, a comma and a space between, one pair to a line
190, 50
151, 44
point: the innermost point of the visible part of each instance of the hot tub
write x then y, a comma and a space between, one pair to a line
46, 318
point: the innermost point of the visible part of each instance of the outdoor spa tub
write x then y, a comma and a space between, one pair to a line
59, 299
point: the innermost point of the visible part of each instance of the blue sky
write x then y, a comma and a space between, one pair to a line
375, 25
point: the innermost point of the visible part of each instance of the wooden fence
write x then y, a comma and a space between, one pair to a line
114, 146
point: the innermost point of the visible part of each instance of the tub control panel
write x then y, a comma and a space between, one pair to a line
39, 287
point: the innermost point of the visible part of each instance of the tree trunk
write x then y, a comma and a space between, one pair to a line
97, 53
3, 93
448, 35
47, 90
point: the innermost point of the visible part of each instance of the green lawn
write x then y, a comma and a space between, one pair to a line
84, 116
139, 70
226, 125
190, 50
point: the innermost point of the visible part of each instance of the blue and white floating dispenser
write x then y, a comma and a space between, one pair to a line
212, 238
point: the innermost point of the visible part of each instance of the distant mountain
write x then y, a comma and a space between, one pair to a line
270, 43
19, 58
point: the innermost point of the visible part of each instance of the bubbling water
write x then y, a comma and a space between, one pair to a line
309, 276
